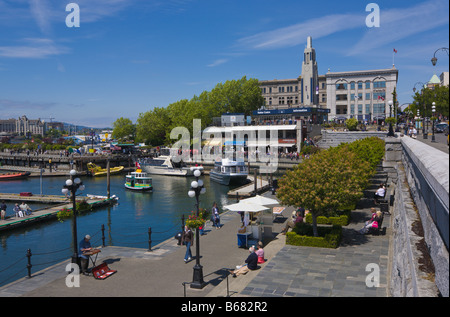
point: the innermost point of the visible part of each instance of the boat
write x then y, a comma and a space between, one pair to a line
139, 181
95, 170
13, 176
165, 165
228, 172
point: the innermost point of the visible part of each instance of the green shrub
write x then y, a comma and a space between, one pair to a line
351, 124
301, 235
341, 218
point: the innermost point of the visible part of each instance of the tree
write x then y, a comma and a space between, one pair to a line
326, 182
424, 99
153, 126
123, 128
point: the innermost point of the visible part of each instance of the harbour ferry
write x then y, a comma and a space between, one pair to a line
164, 165
228, 172
139, 181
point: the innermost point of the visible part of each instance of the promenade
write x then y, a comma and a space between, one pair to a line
289, 271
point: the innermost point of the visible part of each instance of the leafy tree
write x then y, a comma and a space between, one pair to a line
327, 181
123, 128
153, 126
424, 99
351, 124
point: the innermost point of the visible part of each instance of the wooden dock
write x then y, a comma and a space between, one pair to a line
48, 213
251, 188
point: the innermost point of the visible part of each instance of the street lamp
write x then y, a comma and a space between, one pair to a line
195, 191
434, 59
391, 130
433, 110
72, 185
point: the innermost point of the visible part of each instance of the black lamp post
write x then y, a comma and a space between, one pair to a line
195, 191
391, 130
434, 59
433, 110
425, 135
72, 185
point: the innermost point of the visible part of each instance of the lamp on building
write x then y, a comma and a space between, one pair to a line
71, 185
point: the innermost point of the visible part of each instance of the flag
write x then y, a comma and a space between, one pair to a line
395, 51
380, 97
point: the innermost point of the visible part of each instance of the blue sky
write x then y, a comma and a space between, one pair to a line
129, 56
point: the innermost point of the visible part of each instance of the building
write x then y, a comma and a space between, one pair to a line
363, 95
444, 79
356, 94
26, 127
8, 126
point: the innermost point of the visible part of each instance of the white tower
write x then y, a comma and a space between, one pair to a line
310, 76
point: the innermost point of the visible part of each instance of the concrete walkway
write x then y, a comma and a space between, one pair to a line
290, 271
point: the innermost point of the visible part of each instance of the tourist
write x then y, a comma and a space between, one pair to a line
380, 193
373, 222
215, 216
251, 263
85, 246
260, 252
291, 223
25, 208
3, 210
187, 238
18, 211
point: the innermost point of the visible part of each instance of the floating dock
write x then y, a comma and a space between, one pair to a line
251, 188
48, 213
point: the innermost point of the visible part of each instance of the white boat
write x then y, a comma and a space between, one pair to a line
228, 172
164, 165
139, 181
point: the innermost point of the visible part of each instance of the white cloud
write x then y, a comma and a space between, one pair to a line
297, 34
33, 48
218, 62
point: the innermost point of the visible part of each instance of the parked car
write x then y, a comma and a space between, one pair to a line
440, 127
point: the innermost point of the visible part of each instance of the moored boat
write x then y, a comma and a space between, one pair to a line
228, 172
95, 170
139, 181
13, 176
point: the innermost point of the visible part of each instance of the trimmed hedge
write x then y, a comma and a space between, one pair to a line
341, 220
301, 235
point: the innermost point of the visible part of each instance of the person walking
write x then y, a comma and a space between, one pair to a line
187, 237
216, 216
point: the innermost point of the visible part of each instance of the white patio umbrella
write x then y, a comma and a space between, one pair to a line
260, 200
243, 206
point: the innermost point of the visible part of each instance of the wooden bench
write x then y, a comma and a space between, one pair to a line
379, 230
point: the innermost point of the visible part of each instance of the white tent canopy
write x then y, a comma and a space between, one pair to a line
241, 206
260, 200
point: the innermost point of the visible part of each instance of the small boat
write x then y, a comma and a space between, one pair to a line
165, 165
228, 172
139, 181
95, 170
12, 176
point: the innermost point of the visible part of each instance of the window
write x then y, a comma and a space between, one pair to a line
368, 96
379, 108
360, 85
379, 95
368, 109
379, 84
341, 86
280, 89
352, 86
341, 97
352, 109
367, 84
360, 108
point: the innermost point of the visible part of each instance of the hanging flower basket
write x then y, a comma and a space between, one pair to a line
195, 222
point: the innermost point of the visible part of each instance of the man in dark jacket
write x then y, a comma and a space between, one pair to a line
251, 263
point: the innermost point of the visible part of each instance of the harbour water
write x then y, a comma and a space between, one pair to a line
126, 224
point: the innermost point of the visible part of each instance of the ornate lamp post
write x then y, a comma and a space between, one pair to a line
72, 185
434, 59
195, 191
425, 135
433, 110
391, 130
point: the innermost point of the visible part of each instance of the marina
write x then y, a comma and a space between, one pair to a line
126, 222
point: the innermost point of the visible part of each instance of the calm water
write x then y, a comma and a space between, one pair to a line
126, 224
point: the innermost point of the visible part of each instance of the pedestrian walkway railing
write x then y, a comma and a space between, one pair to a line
23, 265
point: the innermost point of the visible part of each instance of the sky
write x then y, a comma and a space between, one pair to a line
129, 56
